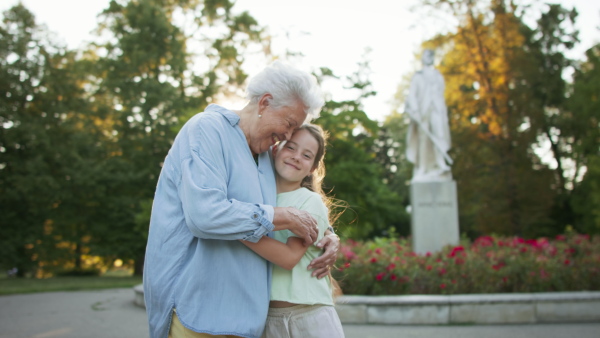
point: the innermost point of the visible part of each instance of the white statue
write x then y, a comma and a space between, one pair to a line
428, 139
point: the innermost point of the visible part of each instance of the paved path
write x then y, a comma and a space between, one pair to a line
111, 313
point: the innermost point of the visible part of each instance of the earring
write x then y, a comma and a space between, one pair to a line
259, 116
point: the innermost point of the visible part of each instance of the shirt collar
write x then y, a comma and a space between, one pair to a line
232, 117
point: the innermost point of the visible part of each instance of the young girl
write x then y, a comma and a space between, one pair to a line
301, 305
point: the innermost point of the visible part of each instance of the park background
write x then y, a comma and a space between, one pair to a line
84, 130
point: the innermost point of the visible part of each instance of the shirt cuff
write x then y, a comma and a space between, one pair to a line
264, 216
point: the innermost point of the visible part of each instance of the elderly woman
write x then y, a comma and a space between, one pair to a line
217, 186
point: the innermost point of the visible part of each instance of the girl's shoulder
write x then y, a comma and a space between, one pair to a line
301, 198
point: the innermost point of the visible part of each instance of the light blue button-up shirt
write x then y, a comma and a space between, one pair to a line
210, 194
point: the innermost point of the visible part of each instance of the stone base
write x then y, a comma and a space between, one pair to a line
434, 215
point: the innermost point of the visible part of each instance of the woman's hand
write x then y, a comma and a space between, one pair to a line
322, 264
300, 222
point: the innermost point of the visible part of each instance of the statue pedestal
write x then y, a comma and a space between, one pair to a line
434, 215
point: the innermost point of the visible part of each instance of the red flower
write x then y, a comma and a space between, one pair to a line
484, 241
348, 254
523, 249
378, 251
498, 266
442, 271
567, 262
380, 276
459, 261
391, 266
428, 267
428, 254
455, 250
442, 286
346, 266
393, 277
561, 237
373, 260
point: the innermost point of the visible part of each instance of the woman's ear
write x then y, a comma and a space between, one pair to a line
274, 149
264, 101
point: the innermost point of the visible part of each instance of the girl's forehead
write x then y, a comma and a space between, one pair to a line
304, 138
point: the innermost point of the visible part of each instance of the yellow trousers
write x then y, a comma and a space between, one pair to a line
179, 331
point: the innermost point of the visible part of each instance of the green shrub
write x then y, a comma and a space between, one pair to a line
489, 264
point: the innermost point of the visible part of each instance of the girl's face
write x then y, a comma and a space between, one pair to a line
295, 160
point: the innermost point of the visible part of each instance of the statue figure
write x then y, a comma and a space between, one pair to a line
428, 138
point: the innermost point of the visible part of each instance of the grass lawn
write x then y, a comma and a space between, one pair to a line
9, 286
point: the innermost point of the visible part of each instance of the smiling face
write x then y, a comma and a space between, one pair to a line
275, 124
295, 160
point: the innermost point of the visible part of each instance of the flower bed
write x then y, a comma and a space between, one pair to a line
489, 264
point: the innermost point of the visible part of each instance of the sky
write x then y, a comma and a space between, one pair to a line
330, 33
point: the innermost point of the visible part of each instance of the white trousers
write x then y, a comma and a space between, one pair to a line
303, 321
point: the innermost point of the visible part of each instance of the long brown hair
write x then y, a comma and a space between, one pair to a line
314, 182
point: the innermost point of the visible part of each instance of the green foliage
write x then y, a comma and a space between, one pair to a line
506, 101
83, 135
354, 169
584, 131
489, 264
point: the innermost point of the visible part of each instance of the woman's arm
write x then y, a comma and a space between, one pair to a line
285, 255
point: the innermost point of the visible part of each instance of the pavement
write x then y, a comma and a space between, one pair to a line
112, 313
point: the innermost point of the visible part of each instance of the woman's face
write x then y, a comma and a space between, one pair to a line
275, 125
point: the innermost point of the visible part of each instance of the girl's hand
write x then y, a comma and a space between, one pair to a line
323, 263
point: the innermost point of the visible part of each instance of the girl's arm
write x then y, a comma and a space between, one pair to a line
285, 255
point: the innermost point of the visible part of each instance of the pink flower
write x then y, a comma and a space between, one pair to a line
391, 267
378, 251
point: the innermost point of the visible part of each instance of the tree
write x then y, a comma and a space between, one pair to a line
584, 134
354, 162
149, 83
503, 185
50, 150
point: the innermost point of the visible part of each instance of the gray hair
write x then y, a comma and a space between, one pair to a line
287, 85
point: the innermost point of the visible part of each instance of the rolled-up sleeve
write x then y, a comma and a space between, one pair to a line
203, 189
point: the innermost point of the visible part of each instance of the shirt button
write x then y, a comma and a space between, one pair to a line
255, 216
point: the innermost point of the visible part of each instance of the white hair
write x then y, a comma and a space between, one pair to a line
287, 85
